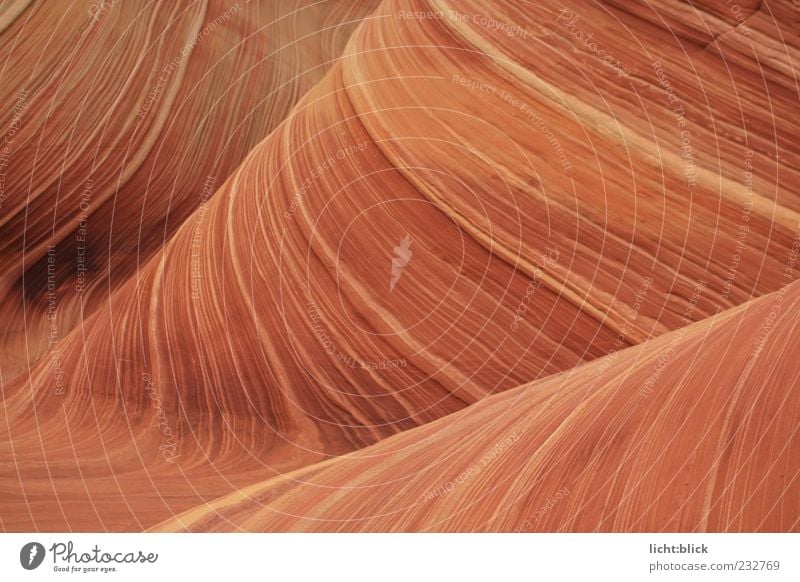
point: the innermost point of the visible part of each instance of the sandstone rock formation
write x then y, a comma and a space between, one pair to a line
350, 249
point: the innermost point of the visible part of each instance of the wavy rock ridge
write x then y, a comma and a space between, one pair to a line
580, 451
474, 199
106, 165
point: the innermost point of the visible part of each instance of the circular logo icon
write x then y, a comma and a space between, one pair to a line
31, 555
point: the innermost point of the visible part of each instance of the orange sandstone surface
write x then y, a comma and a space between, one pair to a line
400, 266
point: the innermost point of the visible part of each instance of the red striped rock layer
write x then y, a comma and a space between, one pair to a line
123, 119
461, 206
694, 431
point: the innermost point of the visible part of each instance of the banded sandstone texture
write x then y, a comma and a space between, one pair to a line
400, 266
